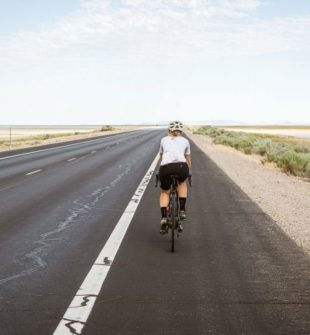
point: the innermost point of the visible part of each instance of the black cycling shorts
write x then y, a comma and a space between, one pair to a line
165, 171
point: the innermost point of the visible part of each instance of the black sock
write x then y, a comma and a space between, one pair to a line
163, 212
182, 204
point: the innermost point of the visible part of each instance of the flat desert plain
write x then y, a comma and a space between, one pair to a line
23, 131
22, 137
294, 131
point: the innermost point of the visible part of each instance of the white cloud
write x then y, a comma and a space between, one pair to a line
161, 29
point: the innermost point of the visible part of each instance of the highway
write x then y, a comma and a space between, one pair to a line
80, 249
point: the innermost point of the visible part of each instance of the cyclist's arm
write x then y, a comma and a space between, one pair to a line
188, 160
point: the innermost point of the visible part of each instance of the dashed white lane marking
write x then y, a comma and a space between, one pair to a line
76, 316
71, 159
94, 151
33, 172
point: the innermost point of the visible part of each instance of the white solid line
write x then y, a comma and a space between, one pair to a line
33, 172
76, 316
71, 159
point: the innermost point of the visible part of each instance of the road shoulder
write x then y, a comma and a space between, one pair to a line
284, 198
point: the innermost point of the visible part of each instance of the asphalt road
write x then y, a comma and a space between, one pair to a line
234, 271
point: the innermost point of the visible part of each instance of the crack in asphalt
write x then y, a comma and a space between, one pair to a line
107, 261
71, 323
81, 207
86, 299
120, 300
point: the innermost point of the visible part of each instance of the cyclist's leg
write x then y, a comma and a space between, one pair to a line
164, 201
182, 189
165, 184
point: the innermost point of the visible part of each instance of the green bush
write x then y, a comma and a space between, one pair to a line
307, 170
293, 162
48, 136
106, 128
40, 137
291, 157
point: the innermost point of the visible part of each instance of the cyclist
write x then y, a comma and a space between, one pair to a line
175, 159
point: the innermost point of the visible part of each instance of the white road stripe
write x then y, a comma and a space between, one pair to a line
76, 316
93, 151
33, 172
71, 159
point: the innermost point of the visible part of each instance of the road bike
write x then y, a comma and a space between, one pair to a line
173, 213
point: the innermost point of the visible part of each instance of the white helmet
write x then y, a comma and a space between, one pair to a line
175, 125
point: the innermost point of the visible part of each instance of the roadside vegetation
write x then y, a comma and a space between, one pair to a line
289, 127
106, 128
290, 154
42, 138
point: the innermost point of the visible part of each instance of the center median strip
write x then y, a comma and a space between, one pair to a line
77, 314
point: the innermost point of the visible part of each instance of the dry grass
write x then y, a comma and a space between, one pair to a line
23, 139
290, 154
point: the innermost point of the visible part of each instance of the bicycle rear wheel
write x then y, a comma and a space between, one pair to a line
173, 209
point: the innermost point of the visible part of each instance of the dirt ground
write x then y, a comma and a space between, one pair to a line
27, 141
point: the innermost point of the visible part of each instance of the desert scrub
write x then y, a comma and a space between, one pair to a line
36, 139
48, 136
290, 155
106, 128
294, 162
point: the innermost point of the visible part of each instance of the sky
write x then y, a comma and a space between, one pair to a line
149, 61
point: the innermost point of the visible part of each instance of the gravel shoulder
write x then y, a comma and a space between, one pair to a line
286, 199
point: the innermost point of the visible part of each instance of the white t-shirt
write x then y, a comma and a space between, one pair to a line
174, 149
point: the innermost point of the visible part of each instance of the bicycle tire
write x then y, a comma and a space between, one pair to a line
173, 209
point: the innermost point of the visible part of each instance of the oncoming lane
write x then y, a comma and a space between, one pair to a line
54, 224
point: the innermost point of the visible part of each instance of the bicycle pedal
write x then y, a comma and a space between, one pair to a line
164, 230
180, 229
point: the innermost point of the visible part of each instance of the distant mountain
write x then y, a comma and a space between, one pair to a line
217, 123
208, 122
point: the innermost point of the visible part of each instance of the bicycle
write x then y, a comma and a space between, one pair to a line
173, 215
